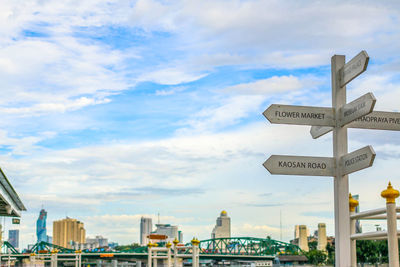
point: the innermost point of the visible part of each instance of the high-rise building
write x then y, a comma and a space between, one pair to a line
222, 227
180, 236
98, 241
41, 231
67, 232
358, 223
303, 237
146, 227
170, 231
13, 238
322, 240
296, 231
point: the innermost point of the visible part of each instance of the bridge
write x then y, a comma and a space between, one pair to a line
235, 248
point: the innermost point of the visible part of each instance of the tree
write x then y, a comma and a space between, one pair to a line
371, 251
330, 248
316, 257
312, 245
127, 247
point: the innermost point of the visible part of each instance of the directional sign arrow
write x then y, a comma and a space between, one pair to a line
300, 115
318, 131
357, 108
377, 120
353, 68
298, 165
357, 160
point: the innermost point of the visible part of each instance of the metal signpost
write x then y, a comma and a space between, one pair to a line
356, 114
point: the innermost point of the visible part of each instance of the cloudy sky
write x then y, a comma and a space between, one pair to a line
113, 110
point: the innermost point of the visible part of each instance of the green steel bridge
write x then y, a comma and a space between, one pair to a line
218, 248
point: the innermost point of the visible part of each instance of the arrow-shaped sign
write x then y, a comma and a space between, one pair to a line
377, 120
357, 108
353, 68
298, 165
300, 115
357, 160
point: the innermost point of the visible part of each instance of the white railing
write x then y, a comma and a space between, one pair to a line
153, 254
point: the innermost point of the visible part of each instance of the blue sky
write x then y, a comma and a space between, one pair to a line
113, 110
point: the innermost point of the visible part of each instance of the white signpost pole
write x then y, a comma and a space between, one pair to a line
341, 182
337, 119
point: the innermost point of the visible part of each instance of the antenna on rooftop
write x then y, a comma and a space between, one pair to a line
158, 218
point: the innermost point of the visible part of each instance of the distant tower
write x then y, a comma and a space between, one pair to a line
322, 241
223, 226
68, 231
41, 231
146, 227
303, 241
13, 238
358, 224
296, 231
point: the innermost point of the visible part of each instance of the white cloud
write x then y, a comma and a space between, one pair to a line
275, 84
259, 31
170, 76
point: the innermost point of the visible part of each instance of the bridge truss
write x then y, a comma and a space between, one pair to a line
246, 246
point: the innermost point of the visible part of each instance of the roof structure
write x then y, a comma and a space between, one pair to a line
10, 203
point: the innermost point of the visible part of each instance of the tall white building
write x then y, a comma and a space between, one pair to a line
171, 231
223, 226
146, 227
97, 242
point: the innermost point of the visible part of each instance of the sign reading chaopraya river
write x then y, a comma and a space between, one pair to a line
376, 120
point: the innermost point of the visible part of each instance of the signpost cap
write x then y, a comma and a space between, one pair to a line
168, 245
390, 194
353, 203
149, 244
176, 242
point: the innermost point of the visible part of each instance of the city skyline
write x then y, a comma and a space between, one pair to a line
116, 110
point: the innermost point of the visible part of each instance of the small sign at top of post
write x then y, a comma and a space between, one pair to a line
353, 68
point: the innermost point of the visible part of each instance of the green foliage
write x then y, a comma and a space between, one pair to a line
331, 253
312, 245
316, 257
372, 251
127, 247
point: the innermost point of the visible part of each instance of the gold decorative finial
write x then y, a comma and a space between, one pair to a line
390, 194
353, 203
168, 245
195, 241
176, 242
149, 244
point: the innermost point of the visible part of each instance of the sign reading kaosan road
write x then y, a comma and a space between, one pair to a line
296, 165
356, 114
